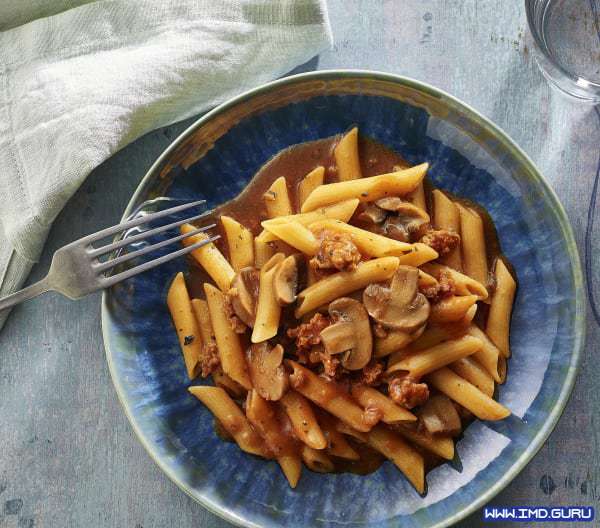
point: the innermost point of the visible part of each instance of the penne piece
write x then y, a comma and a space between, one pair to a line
474, 256
438, 356
369, 397
316, 460
344, 282
302, 417
489, 354
440, 445
406, 458
296, 235
231, 418
467, 395
327, 395
210, 258
186, 326
463, 284
346, 156
368, 189
229, 346
447, 216
469, 369
277, 200
309, 183
240, 242
451, 309
498, 322
268, 310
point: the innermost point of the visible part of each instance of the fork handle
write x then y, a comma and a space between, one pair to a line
26, 293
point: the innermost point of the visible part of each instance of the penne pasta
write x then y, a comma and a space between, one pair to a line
262, 415
433, 358
349, 431
268, 310
240, 242
467, 395
296, 235
200, 308
369, 189
346, 157
392, 342
417, 197
231, 418
463, 284
406, 458
316, 460
277, 200
498, 322
419, 255
367, 242
229, 347
210, 258
263, 251
309, 183
186, 326
447, 216
344, 282
440, 445
369, 397
337, 445
303, 420
451, 309
327, 395
488, 355
231, 386
469, 369
474, 256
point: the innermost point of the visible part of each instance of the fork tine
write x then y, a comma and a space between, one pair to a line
124, 258
141, 236
135, 222
110, 281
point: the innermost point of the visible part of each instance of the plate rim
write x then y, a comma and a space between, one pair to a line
498, 133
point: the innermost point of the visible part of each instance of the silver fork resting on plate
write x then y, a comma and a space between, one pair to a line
76, 269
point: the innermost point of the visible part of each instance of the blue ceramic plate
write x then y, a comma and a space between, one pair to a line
214, 159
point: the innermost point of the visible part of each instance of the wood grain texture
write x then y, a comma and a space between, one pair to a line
69, 457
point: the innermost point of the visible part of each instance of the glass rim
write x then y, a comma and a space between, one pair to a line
575, 78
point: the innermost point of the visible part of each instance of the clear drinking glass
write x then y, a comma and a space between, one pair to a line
567, 38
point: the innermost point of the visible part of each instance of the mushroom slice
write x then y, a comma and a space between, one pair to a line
285, 280
439, 416
243, 294
372, 214
409, 219
338, 337
348, 310
390, 203
265, 365
399, 306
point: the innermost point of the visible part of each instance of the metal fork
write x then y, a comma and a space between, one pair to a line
76, 269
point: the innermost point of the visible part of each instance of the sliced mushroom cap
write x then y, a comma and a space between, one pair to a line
399, 306
372, 214
439, 416
389, 203
408, 221
244, 294
285, 280
347, 310
338, 337
265, 365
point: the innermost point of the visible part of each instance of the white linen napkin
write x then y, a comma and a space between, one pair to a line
79, 85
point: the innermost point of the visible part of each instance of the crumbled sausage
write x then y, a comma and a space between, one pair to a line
405, 391
441, 240
331, 366
372, 373
210, 359
234, 321
372, 415
336, 251
444, 287
308, 335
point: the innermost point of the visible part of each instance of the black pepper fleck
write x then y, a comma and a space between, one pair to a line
188, 340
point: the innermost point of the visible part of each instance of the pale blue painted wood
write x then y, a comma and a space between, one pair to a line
68, 455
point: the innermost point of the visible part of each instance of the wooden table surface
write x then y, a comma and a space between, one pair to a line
68, 455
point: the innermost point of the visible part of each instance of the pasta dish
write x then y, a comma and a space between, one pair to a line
350, 314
